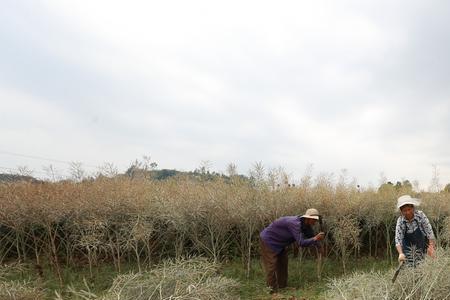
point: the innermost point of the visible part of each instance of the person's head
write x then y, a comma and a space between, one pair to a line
311, 216
407, 211
309, 221
406, 204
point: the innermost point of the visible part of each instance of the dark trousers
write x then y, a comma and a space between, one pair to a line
275, 266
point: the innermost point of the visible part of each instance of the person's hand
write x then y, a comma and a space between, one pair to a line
430, 251
319, 236
401, 257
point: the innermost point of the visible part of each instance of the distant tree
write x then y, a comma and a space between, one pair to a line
16, 177
435, 185
382, 179
416, 185
404, 186
141, 168
107, 170
77, 172
257, 174
24, 171
385, 186
164, 174
231, 169
52, 173
204, 168
447, 188
407, 185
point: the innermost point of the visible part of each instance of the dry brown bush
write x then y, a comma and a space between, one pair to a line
183, 279
144, 221
429, 281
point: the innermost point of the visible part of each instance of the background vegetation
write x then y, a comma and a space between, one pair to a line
139, 220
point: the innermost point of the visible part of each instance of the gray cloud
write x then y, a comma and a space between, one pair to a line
341, 85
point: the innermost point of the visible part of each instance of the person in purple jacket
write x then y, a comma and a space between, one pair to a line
277, 236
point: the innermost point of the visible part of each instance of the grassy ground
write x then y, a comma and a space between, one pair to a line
302, 282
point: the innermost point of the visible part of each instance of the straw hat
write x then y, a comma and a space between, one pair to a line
407, 199
311, 213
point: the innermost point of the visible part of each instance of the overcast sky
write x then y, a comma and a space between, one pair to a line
358, 85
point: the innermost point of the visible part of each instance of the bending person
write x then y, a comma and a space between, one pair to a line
277, 236
414, 235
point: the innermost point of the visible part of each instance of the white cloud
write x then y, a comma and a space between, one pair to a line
338, 84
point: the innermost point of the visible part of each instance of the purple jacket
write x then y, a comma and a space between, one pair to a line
286, 230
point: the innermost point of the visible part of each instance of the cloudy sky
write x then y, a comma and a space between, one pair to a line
360, 85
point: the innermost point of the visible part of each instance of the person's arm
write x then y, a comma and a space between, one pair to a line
401, 255
431, 248
294, 229
399, 236
430, 235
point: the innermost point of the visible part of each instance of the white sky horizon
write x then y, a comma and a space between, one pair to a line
361, 86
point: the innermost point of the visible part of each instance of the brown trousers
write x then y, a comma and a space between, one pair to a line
275, 266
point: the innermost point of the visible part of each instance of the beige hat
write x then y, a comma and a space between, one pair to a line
407, 199
311, 213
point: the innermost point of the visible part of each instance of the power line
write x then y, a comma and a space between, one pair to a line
42, 158
18, 171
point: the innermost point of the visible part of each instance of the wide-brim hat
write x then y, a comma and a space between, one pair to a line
311, 213
407, 199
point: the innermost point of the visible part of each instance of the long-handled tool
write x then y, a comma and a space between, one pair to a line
400, 265
320, 252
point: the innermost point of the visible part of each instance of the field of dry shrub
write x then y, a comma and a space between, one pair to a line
429, 281
141, 221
